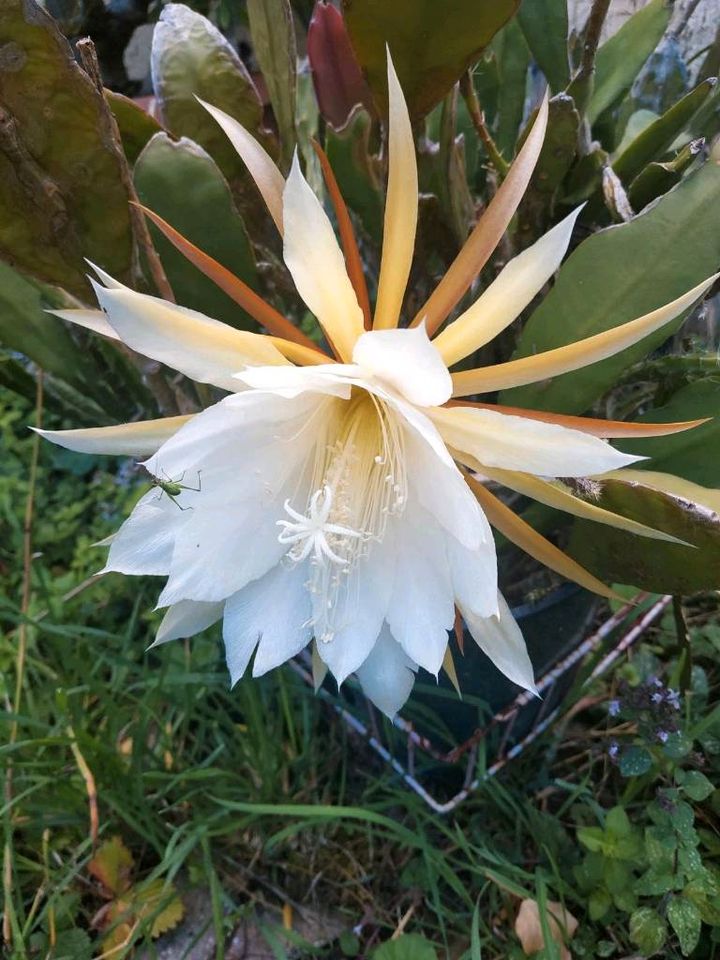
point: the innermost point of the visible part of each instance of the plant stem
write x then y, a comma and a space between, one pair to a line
477, 117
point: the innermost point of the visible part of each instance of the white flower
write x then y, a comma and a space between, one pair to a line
340, 501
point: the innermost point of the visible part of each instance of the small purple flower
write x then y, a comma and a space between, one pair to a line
655, 681
662, 736
613, 749
673, 698
657, 697
614, 708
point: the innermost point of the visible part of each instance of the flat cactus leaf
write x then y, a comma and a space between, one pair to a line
545, 26
431, 48
685, 454
676, 506
620, 59
181, 183
657, 138
61, 194
273, 35
616, 275
357, 171
190, 57
135, 124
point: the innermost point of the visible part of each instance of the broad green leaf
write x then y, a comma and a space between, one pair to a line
409, 946
696, 785
620, 58
556, 158
658, 137
430, 48
619, 274
273, 36
28, 329
658, 178
513, 59
190, 57
356, 171
135, 124
181, 183
61, 195
678, 507
685, 920
648, 930
545, 26
634, 762
685, 454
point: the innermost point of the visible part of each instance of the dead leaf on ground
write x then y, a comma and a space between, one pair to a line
561, 922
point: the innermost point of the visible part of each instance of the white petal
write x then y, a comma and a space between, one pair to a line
273, 612
94, 320
270, 182
185, 619
421, 609
188, 341
359, 611
143, 544
406, 361
474, 577
442, 491
532, 446
139, 439
508, 295
334, 379
287, 611
315, 260
388, 674
501, 639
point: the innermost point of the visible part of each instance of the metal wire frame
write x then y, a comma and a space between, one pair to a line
504, 720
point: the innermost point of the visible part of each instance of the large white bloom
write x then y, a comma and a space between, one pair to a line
336, 499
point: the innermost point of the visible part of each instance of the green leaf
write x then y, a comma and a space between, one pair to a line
648, 931
620, 58
190, 57
684, 454
410, 946
135, 124
685, 920
599, 902
273, 36
618, 823
513, 59
634, 762
430, 50
356, 171
657, 178
545, 26
181, 183
27, 328
556, 158
697, 786
61, 194
619, 274
665, 503
657, 138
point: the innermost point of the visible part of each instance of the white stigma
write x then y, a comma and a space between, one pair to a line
313, 532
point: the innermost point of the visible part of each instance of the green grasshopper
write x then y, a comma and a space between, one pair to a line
173, 488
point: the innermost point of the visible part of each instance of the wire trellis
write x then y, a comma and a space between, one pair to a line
634, 617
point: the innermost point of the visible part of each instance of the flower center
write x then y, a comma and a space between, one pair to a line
357, 479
